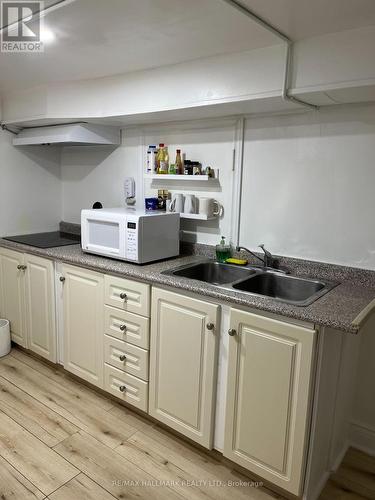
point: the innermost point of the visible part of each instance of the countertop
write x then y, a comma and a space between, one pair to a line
344, 308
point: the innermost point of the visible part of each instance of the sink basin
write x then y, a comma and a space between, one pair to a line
287, 288
213, 272
255, 281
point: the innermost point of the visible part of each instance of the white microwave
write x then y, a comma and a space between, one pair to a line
130, 234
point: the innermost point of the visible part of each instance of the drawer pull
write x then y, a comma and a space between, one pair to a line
123, 296
232, 332
122, 357
122, 388
210, 326
122, 328
21, 268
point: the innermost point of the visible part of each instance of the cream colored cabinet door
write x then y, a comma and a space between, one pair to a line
268, 400
12, 291
183, 361
83, 323
40, 307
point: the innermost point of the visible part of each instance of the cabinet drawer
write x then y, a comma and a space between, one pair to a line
126, 326
134, 359
135, 391
136, 296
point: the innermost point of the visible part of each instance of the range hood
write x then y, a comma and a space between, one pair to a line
75, 134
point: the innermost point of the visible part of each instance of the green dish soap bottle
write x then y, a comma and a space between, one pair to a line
223, 251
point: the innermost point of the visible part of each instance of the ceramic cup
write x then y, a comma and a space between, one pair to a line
177, 204
209, 207
190, 206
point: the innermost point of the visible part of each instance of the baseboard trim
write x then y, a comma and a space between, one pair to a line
362, 437
319, 488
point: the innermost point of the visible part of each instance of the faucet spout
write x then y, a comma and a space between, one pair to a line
251, 253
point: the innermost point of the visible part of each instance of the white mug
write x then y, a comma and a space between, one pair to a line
209, 207
177, 204
190, 206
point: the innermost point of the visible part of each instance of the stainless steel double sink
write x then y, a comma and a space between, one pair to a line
254, 280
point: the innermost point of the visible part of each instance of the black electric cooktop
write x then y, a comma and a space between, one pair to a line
46, 240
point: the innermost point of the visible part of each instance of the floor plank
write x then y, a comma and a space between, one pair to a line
356, 474
33, 416
81, 488
111, 471
132, 418
63, 379
212, 467
75, 408
14, 485
178, 467
334, 491
34, 460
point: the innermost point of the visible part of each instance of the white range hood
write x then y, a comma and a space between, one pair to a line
76, 134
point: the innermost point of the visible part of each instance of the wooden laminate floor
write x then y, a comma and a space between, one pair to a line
60, 440
63, 441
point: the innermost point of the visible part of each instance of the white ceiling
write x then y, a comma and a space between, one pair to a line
98, 38
301, 19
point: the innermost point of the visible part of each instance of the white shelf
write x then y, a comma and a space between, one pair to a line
170, 177
197, 216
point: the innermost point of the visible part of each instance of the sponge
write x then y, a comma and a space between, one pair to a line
238, 262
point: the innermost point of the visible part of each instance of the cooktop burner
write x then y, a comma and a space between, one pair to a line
46, 240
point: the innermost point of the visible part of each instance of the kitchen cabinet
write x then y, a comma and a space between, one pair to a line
12, 291
27, 300
40, 306
183, 362
270, 365
83, 323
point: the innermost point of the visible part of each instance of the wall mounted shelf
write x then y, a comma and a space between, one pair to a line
170, 177
197, 217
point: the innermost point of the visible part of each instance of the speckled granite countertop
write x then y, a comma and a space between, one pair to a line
337, 309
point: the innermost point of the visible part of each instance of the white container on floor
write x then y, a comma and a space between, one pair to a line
4, 337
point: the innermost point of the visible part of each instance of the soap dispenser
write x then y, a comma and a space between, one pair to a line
223, 251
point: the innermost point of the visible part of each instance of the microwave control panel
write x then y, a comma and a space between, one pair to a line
132, 240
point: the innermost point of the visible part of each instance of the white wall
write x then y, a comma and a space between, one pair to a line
30, 188
96, 173
308, 185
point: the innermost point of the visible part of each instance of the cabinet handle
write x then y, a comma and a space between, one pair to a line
232, 332
19, 267
123, 296
62, 279
122, 388
122, 357
210, 326
122, 328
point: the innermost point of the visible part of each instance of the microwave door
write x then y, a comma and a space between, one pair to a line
104, 236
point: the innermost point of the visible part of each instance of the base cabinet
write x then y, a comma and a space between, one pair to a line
183, 361
83, 323
40, 307
27, 300
12, 293
269, 384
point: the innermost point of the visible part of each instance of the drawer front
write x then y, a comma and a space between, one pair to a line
126, 326
126, 357
127, 295
135, 391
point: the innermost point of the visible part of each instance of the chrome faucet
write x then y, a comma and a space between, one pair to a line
268, 261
